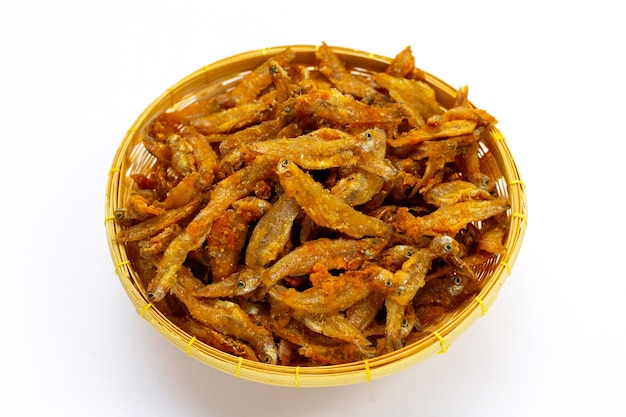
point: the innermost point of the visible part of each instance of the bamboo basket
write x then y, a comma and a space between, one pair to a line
132, 157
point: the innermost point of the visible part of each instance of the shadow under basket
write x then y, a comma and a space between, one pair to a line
132, 157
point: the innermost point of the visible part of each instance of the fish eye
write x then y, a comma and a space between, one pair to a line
457, 286
405, 323
388, 283
274, 69
241, 284
267, 359
447, 247
409, 253
283, 168
368, 135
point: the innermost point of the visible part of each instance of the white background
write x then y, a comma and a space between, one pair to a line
75, 75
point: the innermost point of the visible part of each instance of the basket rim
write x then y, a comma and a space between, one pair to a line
329, 375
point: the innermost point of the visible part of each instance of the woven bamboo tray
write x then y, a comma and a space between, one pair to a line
132, 157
